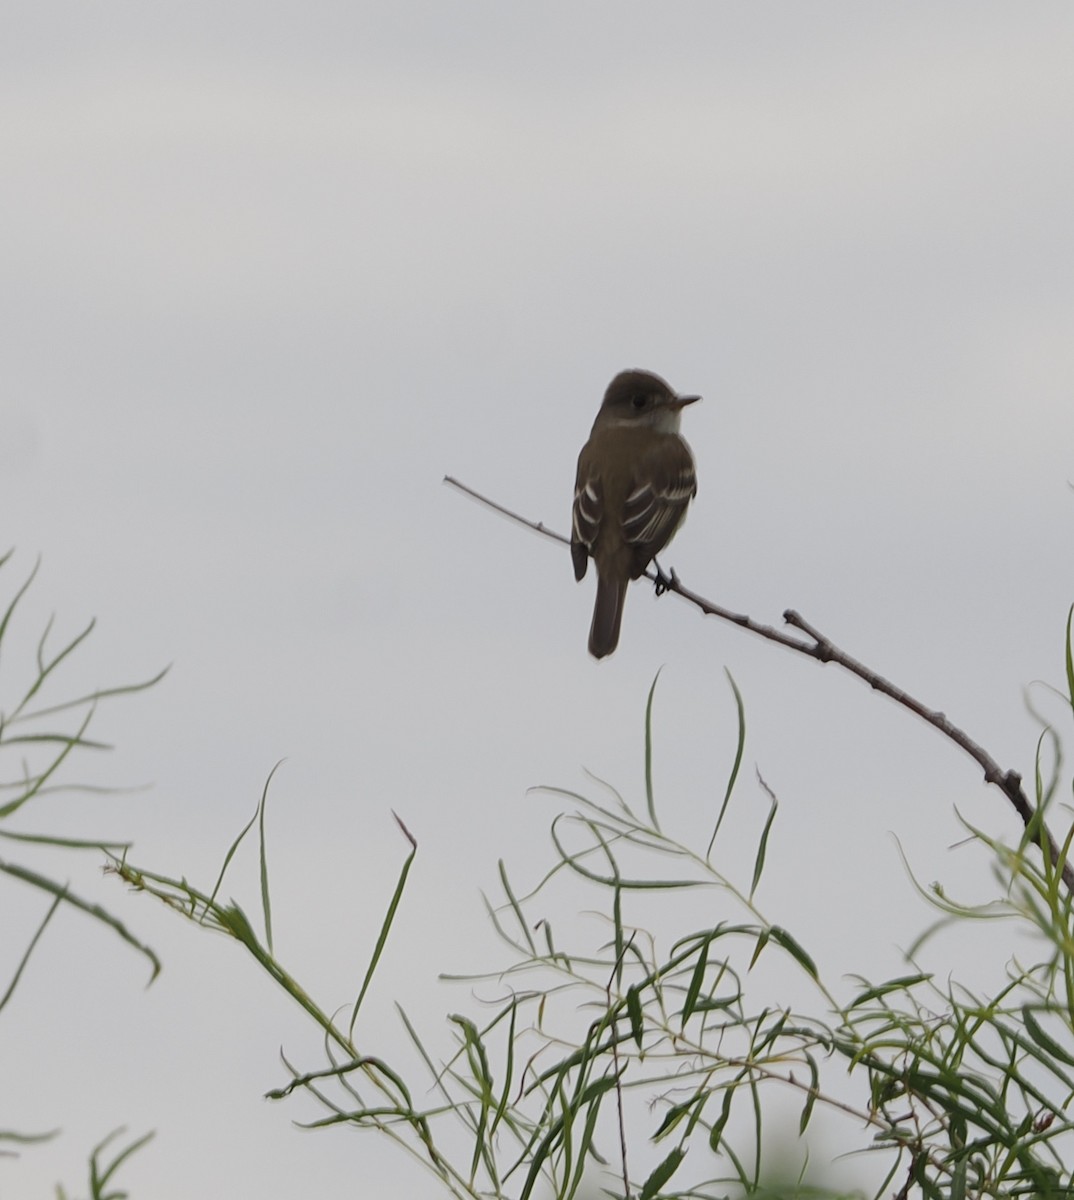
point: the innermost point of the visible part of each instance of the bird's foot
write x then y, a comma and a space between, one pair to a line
664, 582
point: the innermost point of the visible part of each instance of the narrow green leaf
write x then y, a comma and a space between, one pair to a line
9, 612
102, 1177
41, 839
903, 984
758, 865
227, 862
124, 689
924, 1179
617, 920
811, 1097
596, 1089
573, 861
637, 1023
508, 1070
716, 1132
57, 901
585, 1145
764, 1038
266, 906
535, 1151
793, 948
1044, 1040
93, 910
707, 1004
762, 941
662, 1173
45, 669
697, 978
479, 1069
675, 1114
755, 1104
386, 924
649, 794
1070, 655
39, 781
741, 710
26, 1139
516, 908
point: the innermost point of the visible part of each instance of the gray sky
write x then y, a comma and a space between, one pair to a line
271, 270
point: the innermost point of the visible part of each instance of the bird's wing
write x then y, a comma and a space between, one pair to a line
655, 507
586, 516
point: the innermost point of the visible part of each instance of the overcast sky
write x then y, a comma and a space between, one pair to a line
271, 270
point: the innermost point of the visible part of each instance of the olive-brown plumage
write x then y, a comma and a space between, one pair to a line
635, 481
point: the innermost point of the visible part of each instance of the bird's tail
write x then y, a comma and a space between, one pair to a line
607, 615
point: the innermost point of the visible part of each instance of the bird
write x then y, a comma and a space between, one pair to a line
635, 480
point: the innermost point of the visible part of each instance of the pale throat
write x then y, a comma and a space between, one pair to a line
662, 420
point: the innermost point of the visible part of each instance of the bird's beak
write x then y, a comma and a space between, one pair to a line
681, 402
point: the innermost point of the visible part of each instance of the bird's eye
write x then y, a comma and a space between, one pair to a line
638, 401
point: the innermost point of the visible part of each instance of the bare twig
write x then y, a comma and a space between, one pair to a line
824, 651
536, 526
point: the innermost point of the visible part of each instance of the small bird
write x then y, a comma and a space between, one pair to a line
635, 480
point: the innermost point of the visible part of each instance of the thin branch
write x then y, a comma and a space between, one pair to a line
823, 650
536, 526
666, 583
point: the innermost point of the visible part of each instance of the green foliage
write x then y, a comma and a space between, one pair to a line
39, 740
102, 1173
650, 1060
645, 1056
